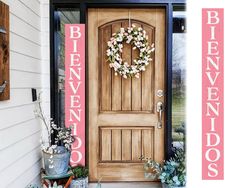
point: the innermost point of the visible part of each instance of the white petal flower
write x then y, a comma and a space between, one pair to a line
120, 46
142, 49
119, 39
109, 43
137, 75
109, 52
122, 30
51, 166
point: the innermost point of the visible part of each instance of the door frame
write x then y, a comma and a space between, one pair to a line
83, 6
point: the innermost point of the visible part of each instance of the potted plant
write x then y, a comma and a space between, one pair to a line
55, 156
80, 179
172, 172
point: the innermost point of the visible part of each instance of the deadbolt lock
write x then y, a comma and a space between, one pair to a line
160, 93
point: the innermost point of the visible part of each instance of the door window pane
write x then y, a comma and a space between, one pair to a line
178, 76
63, 16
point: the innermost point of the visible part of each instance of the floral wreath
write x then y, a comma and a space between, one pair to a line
134, 36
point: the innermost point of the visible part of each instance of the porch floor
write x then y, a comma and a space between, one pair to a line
127, 185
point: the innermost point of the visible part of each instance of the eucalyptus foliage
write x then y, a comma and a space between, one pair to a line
173, 171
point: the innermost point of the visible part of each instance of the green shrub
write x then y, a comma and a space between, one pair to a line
80, 172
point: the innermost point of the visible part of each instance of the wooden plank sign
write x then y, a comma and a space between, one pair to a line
75, 89
4, 52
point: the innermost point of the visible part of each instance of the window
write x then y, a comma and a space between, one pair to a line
178, 75
63, 16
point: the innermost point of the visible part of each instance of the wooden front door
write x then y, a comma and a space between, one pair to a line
122, 112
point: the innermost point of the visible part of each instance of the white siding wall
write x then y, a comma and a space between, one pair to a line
20, 156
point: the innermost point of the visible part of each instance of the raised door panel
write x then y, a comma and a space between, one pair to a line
125, 144
118, 94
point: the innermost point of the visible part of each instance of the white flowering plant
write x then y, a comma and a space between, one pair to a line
137, 37
63, 135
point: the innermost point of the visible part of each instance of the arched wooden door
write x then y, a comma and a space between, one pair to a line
122, 112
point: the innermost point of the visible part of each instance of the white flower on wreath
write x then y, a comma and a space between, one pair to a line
134, 36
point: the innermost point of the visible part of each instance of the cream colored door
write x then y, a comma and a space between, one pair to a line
122, 112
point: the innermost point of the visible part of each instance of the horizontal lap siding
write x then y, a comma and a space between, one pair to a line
20, 131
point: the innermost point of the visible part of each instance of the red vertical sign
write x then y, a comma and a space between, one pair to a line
75, 89
212, 94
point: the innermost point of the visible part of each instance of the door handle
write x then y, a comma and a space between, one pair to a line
160, 109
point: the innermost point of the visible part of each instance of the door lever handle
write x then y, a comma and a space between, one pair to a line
160, 109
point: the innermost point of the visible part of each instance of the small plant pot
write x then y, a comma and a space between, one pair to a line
57, 164
168, 186
79, 183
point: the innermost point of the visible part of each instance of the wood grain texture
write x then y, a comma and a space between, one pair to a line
126, 83
105, 74
128, 113
136, 86
147, 143
93, 92
116, 80
121, 172
116, 145
148, 78
4, 51
106, 152
136, 145
126, 145
160, 68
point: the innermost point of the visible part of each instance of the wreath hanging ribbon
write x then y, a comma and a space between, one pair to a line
137, 37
